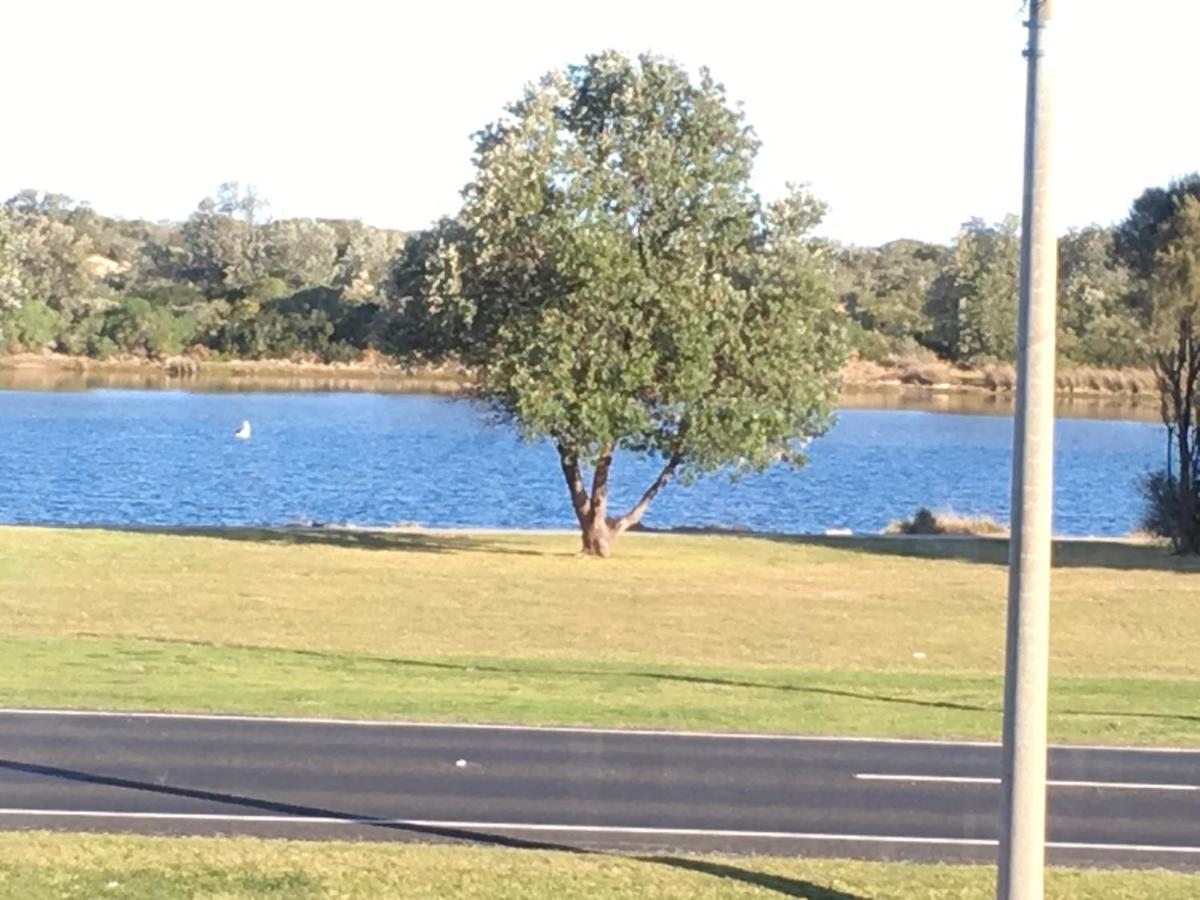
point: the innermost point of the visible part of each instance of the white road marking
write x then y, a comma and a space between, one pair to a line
967, 779
584, 829
555, 729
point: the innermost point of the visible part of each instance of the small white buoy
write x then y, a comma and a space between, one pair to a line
243, 431
918, 655
460, 763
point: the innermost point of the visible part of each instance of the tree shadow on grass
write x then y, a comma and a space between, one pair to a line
788, 887
780, 884
1068, 553
684, 678
651, 676
342, 659
351, 538
793, 688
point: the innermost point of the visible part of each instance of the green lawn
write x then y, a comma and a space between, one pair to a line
35, 865
866, 636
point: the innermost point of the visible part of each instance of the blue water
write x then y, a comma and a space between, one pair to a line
170, 458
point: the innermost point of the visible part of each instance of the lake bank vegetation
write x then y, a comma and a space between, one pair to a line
230, 287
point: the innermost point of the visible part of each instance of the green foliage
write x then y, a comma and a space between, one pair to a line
32, 324
619, 285
1169, 293
1150, 224
302, 253
1097, 323
134, 325
885, 289
982, 276
228, 264
108, 286
50, 257
1171, 513
12, 248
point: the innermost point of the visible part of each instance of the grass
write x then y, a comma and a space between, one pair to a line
886, 636
35, 865
914, 367
923, 368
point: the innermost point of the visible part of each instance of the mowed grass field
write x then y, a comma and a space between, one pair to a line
883, 636
39, 866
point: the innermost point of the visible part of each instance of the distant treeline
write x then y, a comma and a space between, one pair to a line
227, 282
960, 301
231, 283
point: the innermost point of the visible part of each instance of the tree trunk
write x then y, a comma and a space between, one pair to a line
1178, 374
597, 538
598, 530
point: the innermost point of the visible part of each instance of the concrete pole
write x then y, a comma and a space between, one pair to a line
1023, 831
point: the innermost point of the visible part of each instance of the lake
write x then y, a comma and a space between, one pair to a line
169, 458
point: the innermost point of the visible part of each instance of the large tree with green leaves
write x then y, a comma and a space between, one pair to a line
885, 291
618, 285
1097, 323
1161, 242
973, 302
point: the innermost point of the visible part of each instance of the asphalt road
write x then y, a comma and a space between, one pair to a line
593, 789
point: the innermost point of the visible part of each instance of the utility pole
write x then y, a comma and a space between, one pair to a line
1023, 825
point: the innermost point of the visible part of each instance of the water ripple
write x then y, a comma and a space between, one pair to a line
170, 458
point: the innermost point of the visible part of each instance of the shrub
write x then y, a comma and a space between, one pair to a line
924, 521
136, 326
1171, 513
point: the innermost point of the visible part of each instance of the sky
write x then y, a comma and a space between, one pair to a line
906, 118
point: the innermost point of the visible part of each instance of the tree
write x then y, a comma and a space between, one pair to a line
973, 302
885, 291
1097, 324
12, 250
365, 256
225, 241
1151, 224
135, 325
302, 252
49, 253
1160, 241
618, 286
1173, 294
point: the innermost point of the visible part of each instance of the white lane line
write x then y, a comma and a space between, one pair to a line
583, 829
966, 779
556, 729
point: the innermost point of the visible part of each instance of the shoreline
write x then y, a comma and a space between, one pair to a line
831, 537
915, 383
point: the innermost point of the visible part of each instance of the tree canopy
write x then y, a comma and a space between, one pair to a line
619, 286
1170, 294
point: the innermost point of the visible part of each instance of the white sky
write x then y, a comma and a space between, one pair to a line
905, 117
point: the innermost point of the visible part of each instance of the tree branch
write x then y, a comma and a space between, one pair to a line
599, 502
579, 495
631, 518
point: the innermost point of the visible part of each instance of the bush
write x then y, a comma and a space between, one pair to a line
924, 521
32, 324
136, 326
1171, 513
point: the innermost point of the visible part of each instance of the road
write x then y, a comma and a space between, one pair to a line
593, 789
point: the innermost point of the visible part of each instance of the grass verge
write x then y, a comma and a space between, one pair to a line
865, 636
158, 675
39, 865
